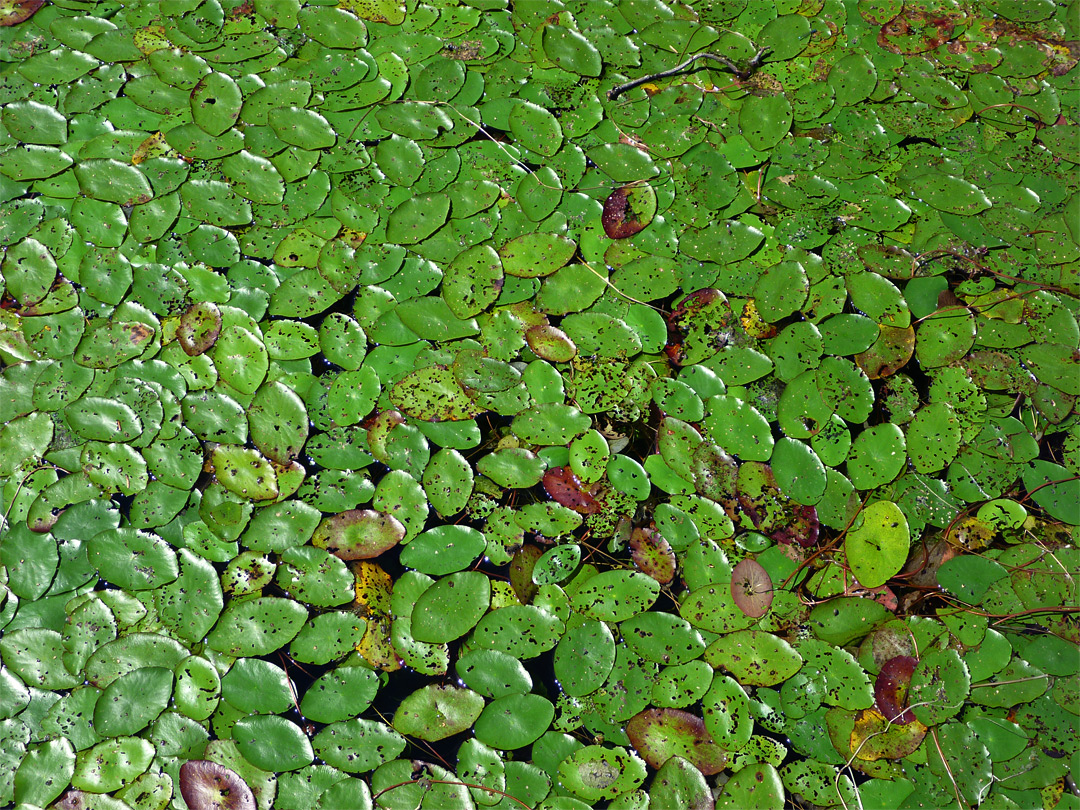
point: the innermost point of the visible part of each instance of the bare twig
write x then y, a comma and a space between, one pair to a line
740, 73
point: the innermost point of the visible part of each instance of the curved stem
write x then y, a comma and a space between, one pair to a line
751, 66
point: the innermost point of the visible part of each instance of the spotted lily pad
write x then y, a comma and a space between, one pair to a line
628, 210
660, 734
358, 534
434, 394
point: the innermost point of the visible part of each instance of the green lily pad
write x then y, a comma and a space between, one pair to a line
33, 122
444, 549
513, 467
514, 721
596, 773
43, 773
436, 712
301, 127
571, 51
951, 194
584, 658
111, 764
133, 701
272, 743
254, 178
339, 694
241, 359
434, 394
245, 472
133, 559
417, 218
764, 120
939, 686
877, 544
257, 626
616, 595
877, 456
473, 281
451, 607
113, 181
357, 746
536, 254
754, 657
536, 128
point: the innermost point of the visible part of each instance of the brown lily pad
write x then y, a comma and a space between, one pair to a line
550, 343
890, 352
873, 738
521, 570
199, 328
752, 588
206, 785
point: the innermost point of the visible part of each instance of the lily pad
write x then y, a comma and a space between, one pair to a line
628, 210
877, 544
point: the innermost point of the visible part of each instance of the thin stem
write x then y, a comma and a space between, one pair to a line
741, 73
454, 783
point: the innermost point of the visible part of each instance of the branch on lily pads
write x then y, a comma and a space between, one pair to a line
741, 73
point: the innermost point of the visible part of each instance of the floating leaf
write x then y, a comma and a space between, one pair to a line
434, 394
358, 534
891, 689
616, 595
207, 785
661, 734
535, 255
877, 544
570, 50
417, 218
628, 210
751, 588
951, 194
595, 772
514, 721
437, 712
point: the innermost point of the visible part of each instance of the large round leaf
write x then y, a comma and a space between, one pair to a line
877, 544
451, 607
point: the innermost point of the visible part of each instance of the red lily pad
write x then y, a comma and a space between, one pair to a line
567, 489
628, 209
891, 688
918, 29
